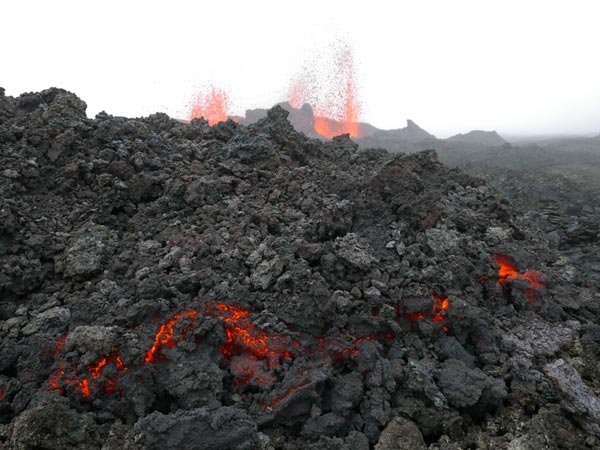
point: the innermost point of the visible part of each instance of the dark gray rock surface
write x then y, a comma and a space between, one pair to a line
171, 285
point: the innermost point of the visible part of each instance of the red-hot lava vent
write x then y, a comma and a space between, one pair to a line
508, 271
212, 105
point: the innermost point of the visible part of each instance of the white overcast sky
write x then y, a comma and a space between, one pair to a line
516, 66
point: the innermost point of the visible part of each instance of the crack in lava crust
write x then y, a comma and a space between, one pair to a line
508, 271
253, 355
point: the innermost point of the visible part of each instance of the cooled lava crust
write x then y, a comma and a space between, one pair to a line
166, 285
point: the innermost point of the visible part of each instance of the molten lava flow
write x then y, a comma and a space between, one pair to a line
84, 383
59, 377
60, 343
95, 370
165, 337
2, 392
508, 271
245, 337
213, 106
84, 387
251, 353
438, 311
247, 345
440, 307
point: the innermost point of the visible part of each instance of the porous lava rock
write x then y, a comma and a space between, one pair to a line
175, 285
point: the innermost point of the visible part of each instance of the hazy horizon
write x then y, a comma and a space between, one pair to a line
520, 68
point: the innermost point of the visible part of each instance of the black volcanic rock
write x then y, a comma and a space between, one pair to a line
302, 118
173, 285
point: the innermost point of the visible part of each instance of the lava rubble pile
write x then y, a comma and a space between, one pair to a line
178, 286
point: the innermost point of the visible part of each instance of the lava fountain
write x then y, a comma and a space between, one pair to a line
332, 94
212, 105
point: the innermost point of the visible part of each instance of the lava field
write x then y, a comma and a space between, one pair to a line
169, 285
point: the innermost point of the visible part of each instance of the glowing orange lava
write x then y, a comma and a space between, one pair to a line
165, 337
84, 383
438, 311
508, 271
243, 336
440, 307
213, 106
254, 355
60, 343
84, 387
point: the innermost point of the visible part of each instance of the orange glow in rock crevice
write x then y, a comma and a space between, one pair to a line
251, 352
285, 396
243, 336
60, 343
165, 337
212, 105
438, 311
440, 307
508, 271
85, 383
84, 387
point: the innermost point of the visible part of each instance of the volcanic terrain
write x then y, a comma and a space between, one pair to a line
166, 285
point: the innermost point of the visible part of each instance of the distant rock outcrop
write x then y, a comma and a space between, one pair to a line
411, 133
478, 137
398, 139
303, 119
